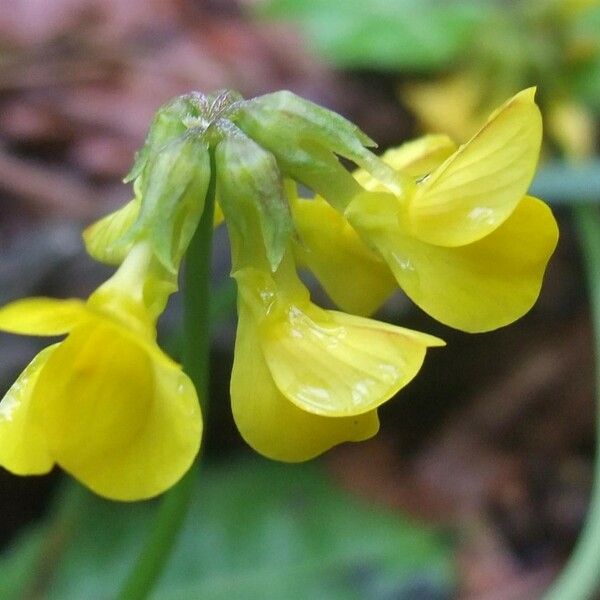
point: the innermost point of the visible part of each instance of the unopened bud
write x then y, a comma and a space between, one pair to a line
253, 200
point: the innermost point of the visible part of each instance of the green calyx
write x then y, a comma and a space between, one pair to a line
256, 143
253, 200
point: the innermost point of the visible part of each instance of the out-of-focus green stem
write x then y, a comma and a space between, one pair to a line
568, 183
174, 505
580, 579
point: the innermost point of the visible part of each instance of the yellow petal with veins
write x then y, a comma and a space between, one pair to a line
476, 189
338, 365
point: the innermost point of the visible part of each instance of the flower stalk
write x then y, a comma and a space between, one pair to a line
174, 506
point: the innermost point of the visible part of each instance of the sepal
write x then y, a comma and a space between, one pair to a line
252, 197
168, 123
173, 190
295, 130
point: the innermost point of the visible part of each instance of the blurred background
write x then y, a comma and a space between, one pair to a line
478, 483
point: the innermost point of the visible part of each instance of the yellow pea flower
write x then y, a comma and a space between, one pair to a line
354, 276
106, 404
467, 245
305, 379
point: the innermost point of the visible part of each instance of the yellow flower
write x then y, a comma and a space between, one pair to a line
305, 379
467, 245
106, 404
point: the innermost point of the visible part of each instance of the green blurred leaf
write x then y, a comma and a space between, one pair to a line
18, 564
383, 34
256, 530
586, 82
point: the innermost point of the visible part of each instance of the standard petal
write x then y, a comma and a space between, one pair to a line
475, 190
478, 287
42, 316
268, 421
103, 238
338, 365
123, 420
23, 447
353, 276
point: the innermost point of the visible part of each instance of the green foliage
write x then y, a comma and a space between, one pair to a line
584, 78
586, 82
417, 35
256, 530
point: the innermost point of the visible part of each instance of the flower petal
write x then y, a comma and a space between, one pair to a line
123, 420
41, 316
478, 287
339, 365
103, 238
23, 448
268, 421
415, 158
475, 190
353, 276
420, 156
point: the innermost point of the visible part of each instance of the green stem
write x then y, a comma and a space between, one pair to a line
174, 506
580, 579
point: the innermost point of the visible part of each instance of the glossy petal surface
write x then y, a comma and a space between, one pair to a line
23, 448
41, 316
268, 421
475, 190
334, 364
121, 419
353, 276
477, 287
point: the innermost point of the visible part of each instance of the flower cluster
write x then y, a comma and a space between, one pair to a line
453, 227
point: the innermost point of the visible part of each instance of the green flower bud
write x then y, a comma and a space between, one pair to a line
253, 200
168, 123
256, 143
173, 190
300, 132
